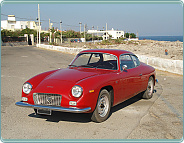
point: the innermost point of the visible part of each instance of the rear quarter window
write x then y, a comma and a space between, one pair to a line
135, 60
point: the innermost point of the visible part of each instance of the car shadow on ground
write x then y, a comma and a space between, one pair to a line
64, 116
84, 117
127, 103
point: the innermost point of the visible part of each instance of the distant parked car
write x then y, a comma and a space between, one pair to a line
95, 81
75, 40
72, 40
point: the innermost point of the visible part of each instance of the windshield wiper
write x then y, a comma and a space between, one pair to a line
72, 65
81, 66
86, 66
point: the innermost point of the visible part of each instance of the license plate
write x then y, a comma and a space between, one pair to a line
44, 111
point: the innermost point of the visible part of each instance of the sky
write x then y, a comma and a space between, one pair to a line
146, 19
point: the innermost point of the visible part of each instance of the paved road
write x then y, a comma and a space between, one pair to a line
158, 118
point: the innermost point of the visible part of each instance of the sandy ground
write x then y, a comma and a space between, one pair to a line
142, 47
158, 118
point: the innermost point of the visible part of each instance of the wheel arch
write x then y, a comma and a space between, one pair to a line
110, 89
153, 78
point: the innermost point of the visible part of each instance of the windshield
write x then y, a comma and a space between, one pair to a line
96, 60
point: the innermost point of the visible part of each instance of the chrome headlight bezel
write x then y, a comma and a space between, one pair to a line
77, 91
26, 88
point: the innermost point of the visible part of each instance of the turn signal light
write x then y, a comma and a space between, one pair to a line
73, 103
24, 99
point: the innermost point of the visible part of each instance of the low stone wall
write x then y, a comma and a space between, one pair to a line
14, 44
173, 66
62, 49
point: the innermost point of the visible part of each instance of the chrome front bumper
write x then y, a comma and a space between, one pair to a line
54, 108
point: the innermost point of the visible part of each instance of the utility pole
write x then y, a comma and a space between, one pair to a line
39, 24
37, 31
61, 32
106, 31
80, 26
92, 32
97, 32
84, 33
50, 32
37, 35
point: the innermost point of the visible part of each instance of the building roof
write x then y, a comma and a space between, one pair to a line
11, 15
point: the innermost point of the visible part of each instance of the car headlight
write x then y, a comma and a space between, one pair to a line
27, 87
77, 91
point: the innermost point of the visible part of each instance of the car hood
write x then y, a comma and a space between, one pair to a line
64, 79
72, 74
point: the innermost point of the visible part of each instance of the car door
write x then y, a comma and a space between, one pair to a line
139, 72
130, 77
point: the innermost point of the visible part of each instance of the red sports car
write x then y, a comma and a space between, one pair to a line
95, 81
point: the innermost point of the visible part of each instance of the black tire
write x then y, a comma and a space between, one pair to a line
148, 94
103, 106
36, 111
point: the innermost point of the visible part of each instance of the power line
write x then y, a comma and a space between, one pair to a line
65, 24
23, 18
68, 25
43, 20
19, 17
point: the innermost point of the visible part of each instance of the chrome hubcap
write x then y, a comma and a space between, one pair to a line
103, 106
150, 87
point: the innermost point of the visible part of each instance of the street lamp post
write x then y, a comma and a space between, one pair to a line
39, 24
50, 32
50, 29
61, 32
97, 32
106, 31
37, 31
84, 33
80, 26
92, 32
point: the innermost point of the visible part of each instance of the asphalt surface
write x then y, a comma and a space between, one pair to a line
158, 118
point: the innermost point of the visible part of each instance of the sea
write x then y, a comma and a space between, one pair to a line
162, 38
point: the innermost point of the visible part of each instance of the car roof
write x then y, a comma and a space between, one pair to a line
116, 52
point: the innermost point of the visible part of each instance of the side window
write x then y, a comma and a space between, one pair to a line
82, 59
108, 57
110, 61
135, 60
107, 61
95, 58
126, 60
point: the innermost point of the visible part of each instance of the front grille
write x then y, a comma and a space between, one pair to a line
47, 99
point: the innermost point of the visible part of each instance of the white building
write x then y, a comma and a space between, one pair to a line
12, 24
114, 33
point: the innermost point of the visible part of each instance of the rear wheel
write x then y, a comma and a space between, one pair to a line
102, 110
150, 88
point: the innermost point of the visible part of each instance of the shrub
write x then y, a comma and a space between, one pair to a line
117, 41
106, 42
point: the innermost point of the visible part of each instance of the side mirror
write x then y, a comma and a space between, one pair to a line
124, 67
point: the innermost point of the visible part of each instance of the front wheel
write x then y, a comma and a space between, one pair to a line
150, 88
102, 110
